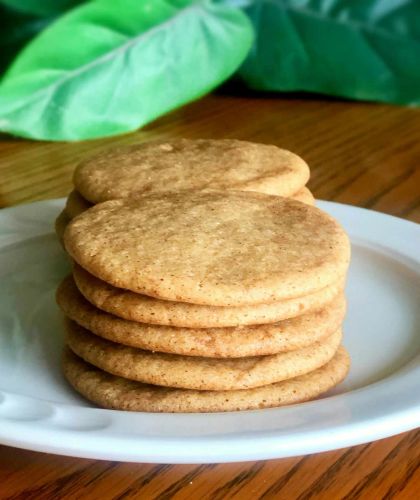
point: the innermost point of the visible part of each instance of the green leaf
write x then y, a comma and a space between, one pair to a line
111, 66
16, 29
361, 49
41, 7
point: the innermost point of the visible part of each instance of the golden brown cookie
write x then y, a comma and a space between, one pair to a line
118, 393
210, 247
144, 309
76, 204
190, 372
190, 164
230, 342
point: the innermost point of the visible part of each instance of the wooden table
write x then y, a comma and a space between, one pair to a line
362, 154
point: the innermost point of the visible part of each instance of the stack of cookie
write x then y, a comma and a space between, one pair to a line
185, 164
202, 301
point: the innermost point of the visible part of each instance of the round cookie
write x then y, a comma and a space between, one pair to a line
210, 247
230, 342
76, 204
118, 393
304, 196
199, 373
190, 164
141, 308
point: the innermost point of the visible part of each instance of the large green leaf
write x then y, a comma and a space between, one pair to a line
41, 7
111, 66
362, 49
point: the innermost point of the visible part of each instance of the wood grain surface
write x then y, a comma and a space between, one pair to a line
362, 154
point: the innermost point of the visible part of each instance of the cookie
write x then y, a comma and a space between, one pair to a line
210, 247
136, 307
230, 342
199, 373
118, 393
190, 164
76, 204
305, 196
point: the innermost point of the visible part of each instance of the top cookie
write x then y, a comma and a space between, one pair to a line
190, 164
210, 247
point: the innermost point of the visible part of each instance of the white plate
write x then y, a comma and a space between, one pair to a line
381, 396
